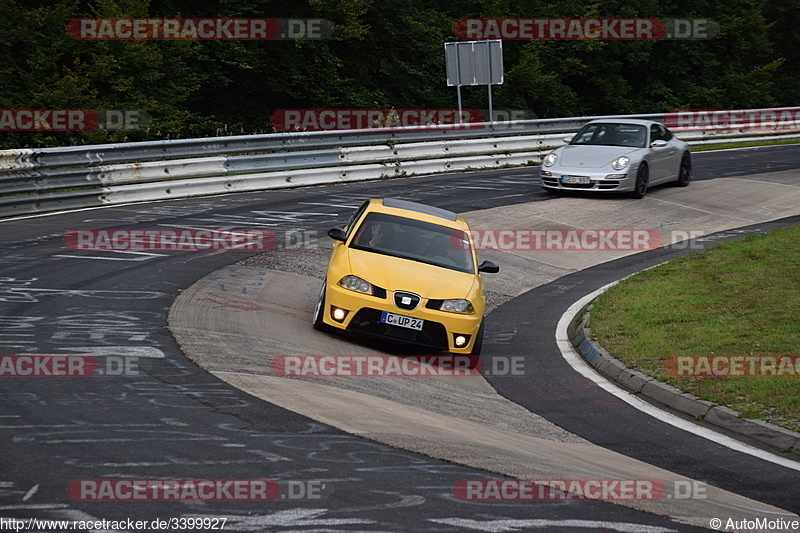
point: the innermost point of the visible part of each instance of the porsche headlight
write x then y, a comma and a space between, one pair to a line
620, 163
354, 283
550, 160
457, 306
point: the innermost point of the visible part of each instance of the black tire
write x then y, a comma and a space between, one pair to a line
319, 309
642, 179
554, 192
685, 171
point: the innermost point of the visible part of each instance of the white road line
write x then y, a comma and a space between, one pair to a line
133, 252
119, 351
143, 257
508, 196
30, 493
582, 367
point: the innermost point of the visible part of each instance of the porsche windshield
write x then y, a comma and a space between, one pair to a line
607, 134
415, 240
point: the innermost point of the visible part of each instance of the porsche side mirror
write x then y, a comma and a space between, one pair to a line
658, 144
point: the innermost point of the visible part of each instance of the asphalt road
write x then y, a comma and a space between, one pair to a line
175, 421
551, 389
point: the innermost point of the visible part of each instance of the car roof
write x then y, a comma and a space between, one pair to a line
636, 121
396, 203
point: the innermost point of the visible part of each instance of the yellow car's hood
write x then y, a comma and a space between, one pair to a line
396, 274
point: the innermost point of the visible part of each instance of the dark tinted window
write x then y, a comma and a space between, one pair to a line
414, 240
610, 134
655, 133
659, 133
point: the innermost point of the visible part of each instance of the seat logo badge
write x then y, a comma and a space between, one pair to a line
406, 300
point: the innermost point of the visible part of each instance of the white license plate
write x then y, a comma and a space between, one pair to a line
402, 321
584, 180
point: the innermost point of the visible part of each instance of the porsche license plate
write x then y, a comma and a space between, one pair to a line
402, 321
583, 180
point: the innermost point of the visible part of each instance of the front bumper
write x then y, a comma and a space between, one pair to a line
602, 180
364, 312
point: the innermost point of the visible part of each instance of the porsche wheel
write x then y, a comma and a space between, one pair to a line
685, 171
642, 179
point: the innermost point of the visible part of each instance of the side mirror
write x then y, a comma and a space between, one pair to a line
568, 139
658, 144
337, 234
488, 267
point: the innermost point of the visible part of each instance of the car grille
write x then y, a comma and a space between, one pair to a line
367, 321
380, 292
434, 304
407, 301
607, 184
598, 184
552, 181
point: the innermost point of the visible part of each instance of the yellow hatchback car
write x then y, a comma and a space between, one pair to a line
405, 272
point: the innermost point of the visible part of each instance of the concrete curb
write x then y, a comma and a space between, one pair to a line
580, 335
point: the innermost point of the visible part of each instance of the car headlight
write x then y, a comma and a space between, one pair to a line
354, 283
550, 160
457, 306
620, 163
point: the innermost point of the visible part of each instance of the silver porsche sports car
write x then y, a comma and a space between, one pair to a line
618, 156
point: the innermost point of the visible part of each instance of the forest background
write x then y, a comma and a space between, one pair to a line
383, 54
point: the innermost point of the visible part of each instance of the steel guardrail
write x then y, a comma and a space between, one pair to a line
51, 179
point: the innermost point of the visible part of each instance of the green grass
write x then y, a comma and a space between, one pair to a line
724, 146
741, 297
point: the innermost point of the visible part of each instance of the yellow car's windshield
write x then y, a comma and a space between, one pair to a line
414, 240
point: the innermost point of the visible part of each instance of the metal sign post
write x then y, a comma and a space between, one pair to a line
474, 63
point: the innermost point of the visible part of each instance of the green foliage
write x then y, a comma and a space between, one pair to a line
736, 298
383, 54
